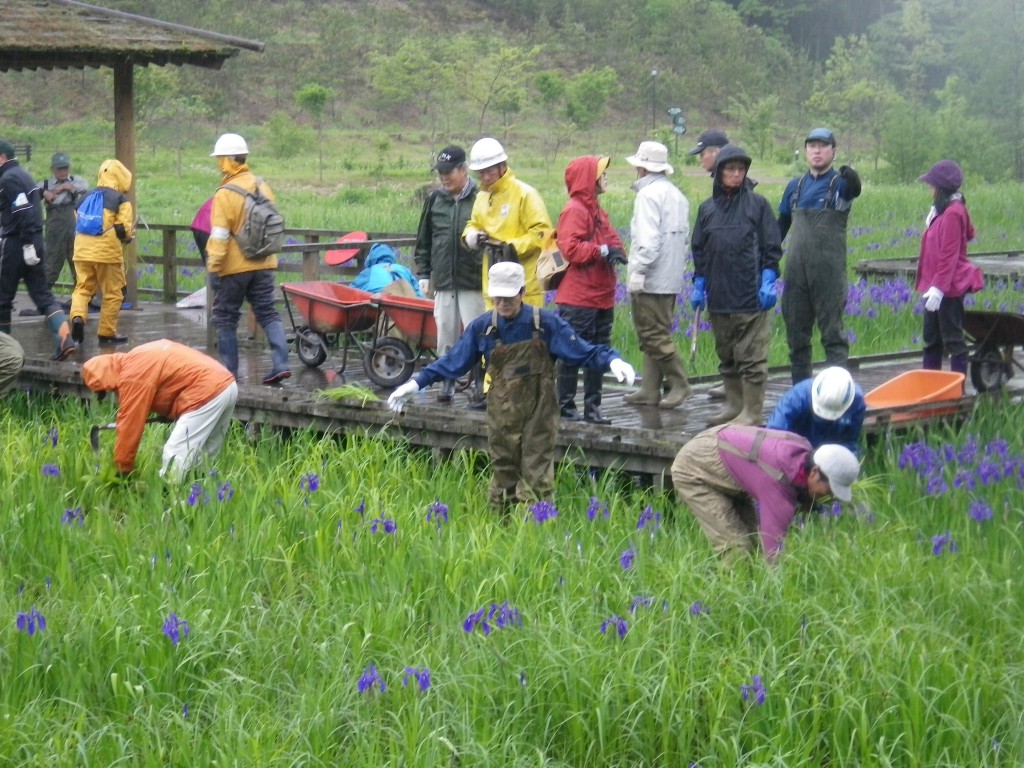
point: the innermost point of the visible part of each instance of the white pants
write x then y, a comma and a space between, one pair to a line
453, 310
201, 430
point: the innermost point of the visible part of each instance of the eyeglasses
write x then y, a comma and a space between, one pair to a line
504, 299
733, 169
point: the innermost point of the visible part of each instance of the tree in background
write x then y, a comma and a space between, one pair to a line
313, 99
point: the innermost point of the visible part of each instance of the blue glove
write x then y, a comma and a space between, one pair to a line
767, 297
699, 297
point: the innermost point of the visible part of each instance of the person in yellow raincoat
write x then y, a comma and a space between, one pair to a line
99, 259
509, 220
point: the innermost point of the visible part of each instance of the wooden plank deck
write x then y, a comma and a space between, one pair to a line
997, 265
641, 440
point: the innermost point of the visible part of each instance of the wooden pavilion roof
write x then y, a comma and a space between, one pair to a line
66, 34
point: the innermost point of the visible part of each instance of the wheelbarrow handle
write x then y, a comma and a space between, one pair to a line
695, 328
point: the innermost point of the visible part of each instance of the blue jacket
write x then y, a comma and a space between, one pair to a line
814, 192
794, 414
381, 270
562, 342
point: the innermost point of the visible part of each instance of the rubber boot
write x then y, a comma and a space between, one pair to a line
717, 392
931, 362
752, 414
679, 387
477, 397
650, 387
447, 391
958, 364
568, 385
593, 384
58, 325
278, 353
733, 401
227, 348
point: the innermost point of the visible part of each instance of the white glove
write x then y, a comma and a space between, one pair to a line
636, 283
604, 250
473, 238
932, 299
403, 393
424, 286
622, 371
30, 254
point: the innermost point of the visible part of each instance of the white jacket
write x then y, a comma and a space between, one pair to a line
659, 234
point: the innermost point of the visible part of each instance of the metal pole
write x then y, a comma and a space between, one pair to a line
654, 99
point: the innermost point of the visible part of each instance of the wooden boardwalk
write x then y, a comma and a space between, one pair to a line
997, 265
641, 440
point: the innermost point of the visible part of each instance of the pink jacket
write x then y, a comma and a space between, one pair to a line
770, 466
583, 227
943, 260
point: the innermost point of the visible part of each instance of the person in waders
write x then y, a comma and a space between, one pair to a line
815, 208
520, 348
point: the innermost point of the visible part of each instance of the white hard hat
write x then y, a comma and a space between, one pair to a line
832, 392
229, 145
486, 153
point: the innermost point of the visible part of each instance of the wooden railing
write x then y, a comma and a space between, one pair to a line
175, 250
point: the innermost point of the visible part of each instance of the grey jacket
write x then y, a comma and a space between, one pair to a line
659, 234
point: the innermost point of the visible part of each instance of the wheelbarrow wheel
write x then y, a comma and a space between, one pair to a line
389, 362
989, 372
310, 347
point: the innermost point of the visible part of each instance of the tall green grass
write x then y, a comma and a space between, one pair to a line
871, 649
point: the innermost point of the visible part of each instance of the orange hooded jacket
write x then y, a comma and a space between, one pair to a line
161, 377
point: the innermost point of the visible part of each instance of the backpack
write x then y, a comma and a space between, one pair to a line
262, 231
90, 214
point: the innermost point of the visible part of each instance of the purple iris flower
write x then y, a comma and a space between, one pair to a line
51, 470
438, 513
979, 511
698, 607
493, 616
647, 516
385, 523
620, 625
597, 508
626, 558
421, 676
70, 515
51, 437
543, 510
310, 482
755, 690
31, 621
369, 679
225, 492
361, 509
175, 628
641, 602
943, 543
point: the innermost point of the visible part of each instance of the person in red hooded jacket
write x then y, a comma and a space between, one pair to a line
944, 275
586, 294
175, 382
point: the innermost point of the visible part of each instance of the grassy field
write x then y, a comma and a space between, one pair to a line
348, 601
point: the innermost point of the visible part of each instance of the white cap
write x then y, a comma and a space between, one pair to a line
841, 468
229, 145
505, 279
653, 156
487, 152
832, 392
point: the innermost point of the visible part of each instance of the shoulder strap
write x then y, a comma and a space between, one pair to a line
754, 452
536, 321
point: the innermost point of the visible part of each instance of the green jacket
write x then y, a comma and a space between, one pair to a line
440, 254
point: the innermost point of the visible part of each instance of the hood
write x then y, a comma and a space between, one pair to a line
381, 253
229, 167
114, 175
581, 178
102, 373
725, 154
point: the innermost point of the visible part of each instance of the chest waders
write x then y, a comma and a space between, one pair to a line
59, 235
522, 419
816, 285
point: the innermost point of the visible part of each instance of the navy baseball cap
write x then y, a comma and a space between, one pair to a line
712, 138
821, 134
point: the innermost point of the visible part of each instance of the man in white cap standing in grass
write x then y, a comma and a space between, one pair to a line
520, 348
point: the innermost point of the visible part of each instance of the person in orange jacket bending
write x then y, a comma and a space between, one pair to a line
175, 382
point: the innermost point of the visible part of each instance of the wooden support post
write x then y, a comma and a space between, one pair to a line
170, 266
124, 150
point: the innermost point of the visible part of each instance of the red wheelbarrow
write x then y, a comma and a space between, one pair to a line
334, 316
390, 360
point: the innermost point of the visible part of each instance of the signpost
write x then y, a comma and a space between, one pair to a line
678, 123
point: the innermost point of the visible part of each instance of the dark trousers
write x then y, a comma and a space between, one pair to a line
595, 326
258, 287
944, 329
13, 270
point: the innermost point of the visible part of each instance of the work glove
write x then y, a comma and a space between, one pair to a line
498, 251
699, 297
424, 285
636, 283
615, 256
932, 299
403, 393
622, 371
767, 297
473, 239
852, 179
29, 252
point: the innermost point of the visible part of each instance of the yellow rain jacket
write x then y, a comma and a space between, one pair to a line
113, 181
223, 254
513, 212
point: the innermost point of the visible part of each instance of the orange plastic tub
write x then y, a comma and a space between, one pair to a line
914, 388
